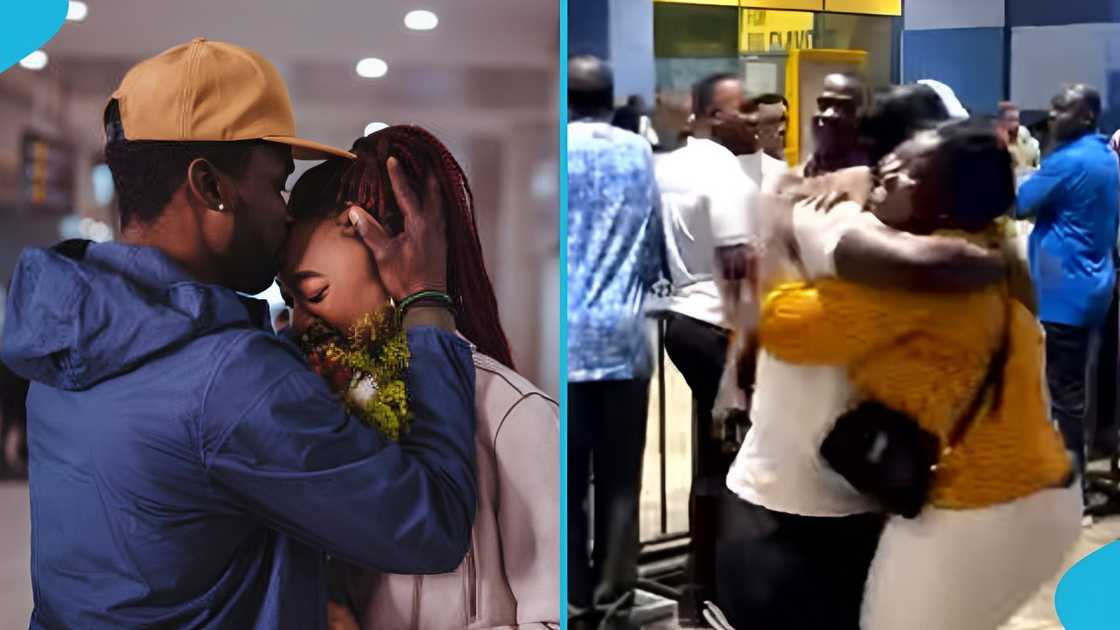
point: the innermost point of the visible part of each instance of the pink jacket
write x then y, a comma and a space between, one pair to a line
510, 578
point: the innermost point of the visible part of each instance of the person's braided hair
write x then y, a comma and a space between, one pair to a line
325, 190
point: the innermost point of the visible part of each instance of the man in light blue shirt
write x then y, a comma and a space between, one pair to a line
1073, 198
615, 255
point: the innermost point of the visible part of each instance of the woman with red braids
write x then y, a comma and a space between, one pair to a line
347, 323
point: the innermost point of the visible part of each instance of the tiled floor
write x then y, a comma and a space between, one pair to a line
1039, 613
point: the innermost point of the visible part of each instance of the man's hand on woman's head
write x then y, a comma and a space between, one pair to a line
416, 259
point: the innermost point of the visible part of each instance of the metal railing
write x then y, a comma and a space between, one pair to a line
654, 547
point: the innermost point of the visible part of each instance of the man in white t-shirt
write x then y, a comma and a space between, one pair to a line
762, 168
706, 212
837, 146
730, 407
810, 534
804, 534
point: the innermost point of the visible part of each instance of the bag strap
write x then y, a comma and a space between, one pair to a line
996, 366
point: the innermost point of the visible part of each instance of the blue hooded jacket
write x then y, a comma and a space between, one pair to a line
189, 471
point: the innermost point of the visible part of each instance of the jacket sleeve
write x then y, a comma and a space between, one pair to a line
292, 456
527, 450
1039, 190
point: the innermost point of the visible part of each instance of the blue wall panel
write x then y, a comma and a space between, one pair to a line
589, 28
1045, 57
936, 14
969, 60
1052, 12
631, 44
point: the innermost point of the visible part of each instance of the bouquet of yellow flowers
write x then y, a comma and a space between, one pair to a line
365, 367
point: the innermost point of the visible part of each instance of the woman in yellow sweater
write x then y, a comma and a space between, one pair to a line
1003, 509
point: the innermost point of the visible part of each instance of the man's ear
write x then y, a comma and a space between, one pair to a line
204, 185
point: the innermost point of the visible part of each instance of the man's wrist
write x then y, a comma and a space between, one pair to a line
429, 315
421, 287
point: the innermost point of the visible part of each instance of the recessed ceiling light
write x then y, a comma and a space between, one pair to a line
35, 61
374, 127
77, 11
421, 20
372, 68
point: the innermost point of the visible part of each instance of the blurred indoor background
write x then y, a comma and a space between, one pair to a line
484, 80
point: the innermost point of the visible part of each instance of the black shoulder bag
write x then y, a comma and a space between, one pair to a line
887, 455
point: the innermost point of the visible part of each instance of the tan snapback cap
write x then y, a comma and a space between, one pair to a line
212, 91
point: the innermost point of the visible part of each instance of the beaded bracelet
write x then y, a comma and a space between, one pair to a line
435, 296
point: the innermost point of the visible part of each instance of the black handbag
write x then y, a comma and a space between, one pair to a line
885, 454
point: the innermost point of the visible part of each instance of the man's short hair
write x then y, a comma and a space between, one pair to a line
590, 86
978, 175
771, 98
896, 113
1091, 96
704, 91
146, 173
1004, 107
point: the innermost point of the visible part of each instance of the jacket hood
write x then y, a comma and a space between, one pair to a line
80, 313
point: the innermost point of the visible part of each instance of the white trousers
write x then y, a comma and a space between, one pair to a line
969, 569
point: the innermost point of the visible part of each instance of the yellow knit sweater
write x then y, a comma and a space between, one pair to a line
925, 355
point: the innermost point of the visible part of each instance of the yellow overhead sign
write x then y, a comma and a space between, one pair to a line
787, 5
763, 31
867, 7
716, 3
873, 7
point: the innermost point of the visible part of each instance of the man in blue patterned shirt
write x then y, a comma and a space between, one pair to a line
615, 255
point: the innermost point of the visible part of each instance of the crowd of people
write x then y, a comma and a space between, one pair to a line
887, 381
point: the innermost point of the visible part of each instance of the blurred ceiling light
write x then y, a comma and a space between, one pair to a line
77, 11
421, 20
102, 184
100, 233
372, 68
35, 61
374, 127
545, 183
70, 226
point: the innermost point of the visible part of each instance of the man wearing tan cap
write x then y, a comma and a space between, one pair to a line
187, 469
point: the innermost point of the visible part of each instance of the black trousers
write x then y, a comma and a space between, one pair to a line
1069, 362
1103, 407
606, 439
795, 572
699, 351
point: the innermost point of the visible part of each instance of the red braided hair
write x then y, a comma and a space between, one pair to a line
366, 182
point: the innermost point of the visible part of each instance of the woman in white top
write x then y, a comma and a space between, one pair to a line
510, 575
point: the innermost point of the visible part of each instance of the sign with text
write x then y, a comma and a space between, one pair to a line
767, 31
865, 7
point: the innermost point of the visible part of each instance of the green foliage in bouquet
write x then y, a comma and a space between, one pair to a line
367, 368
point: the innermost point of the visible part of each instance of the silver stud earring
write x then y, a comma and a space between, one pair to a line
221, 207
